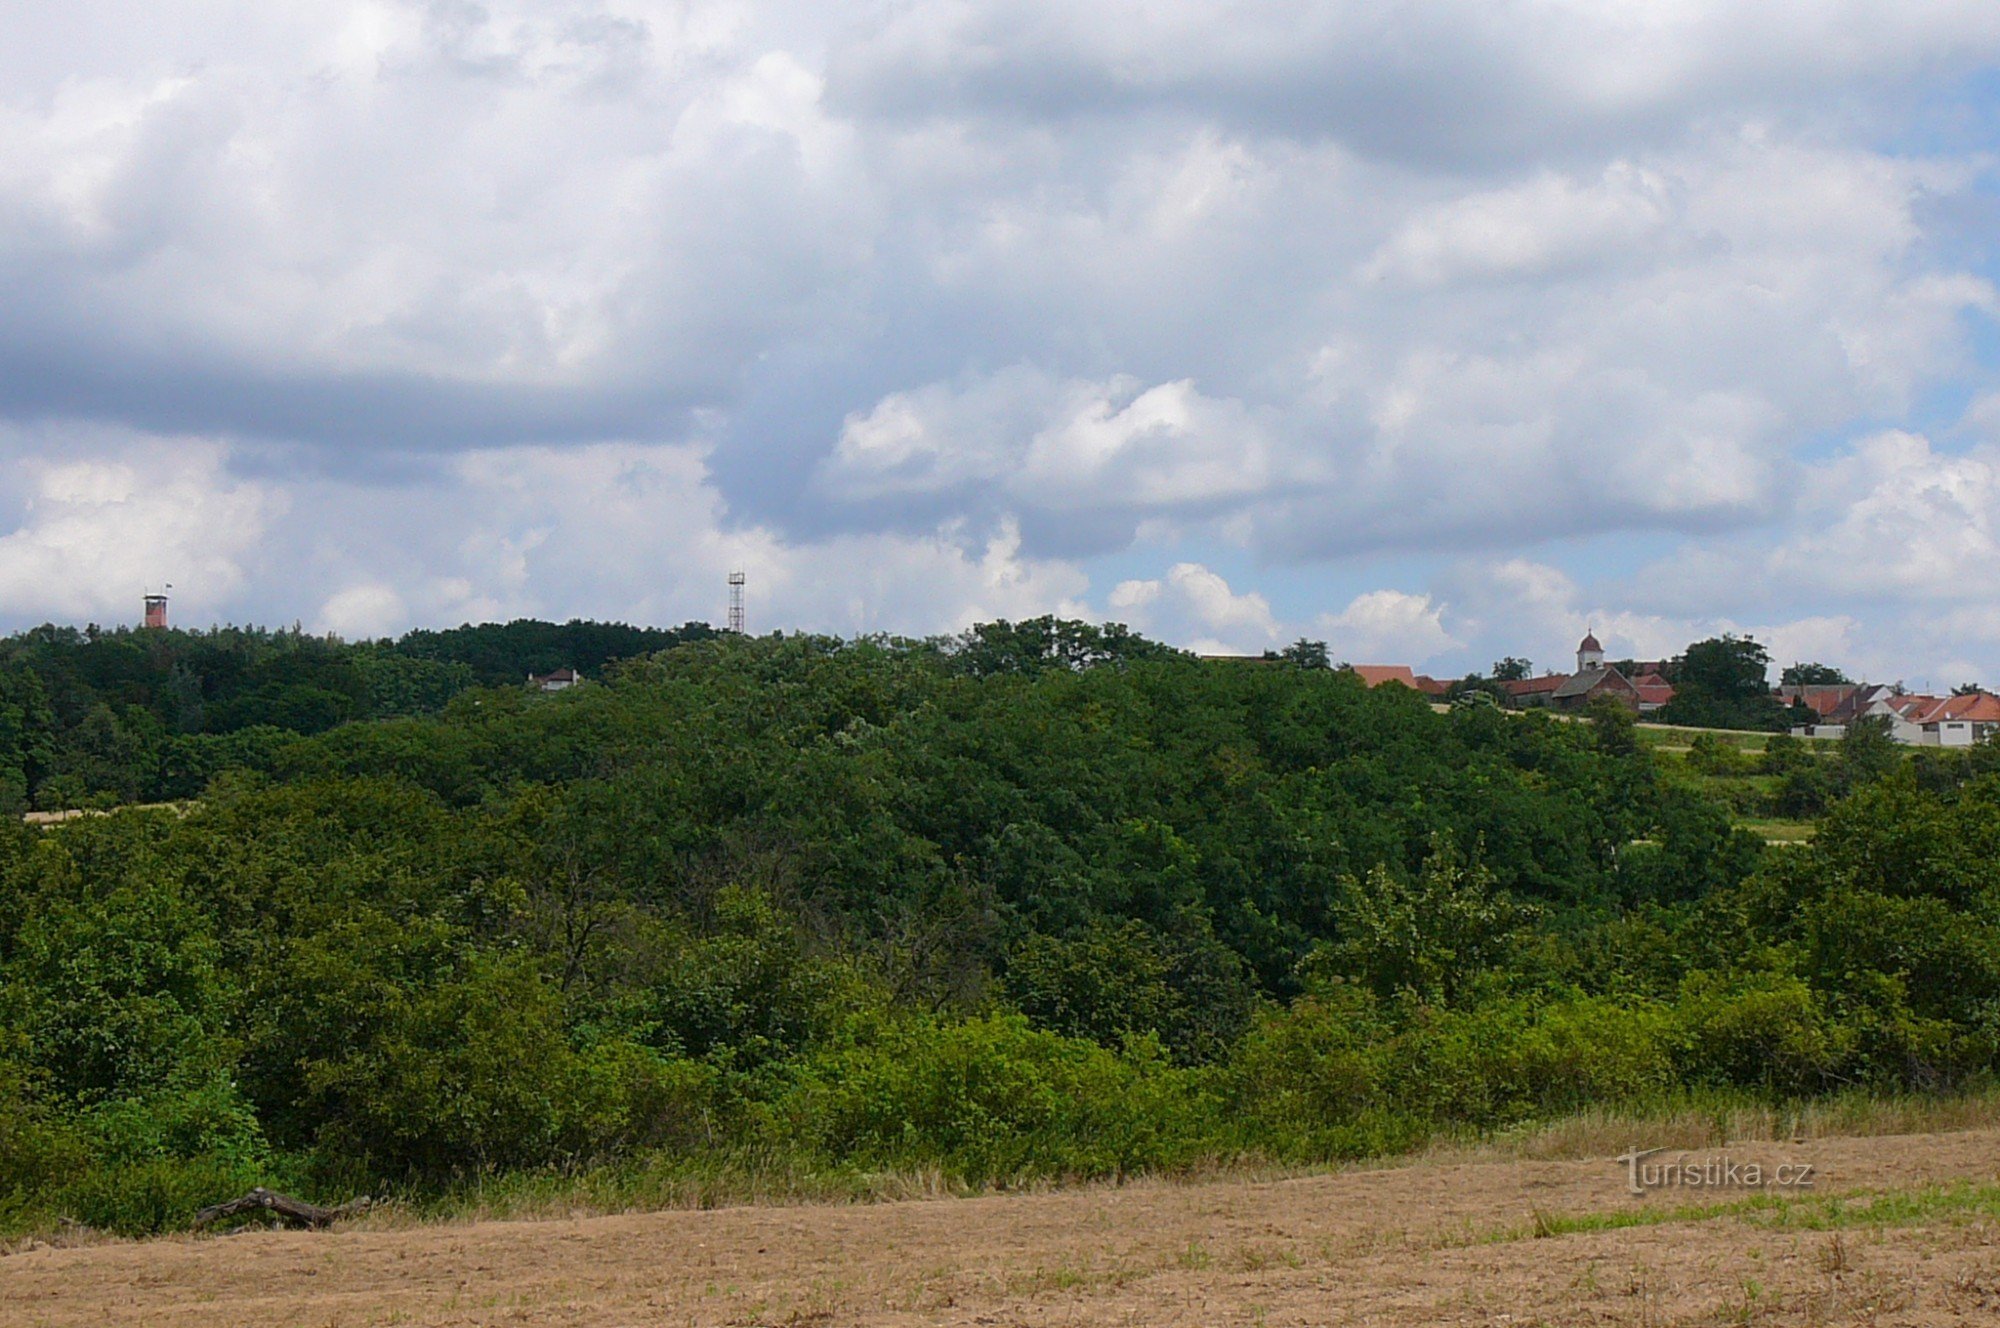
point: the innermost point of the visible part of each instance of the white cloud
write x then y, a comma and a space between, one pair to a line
1388, 627
1055, 447
1894, 517
1547, 225
913, 309
103, 520
1194, 607
364, 611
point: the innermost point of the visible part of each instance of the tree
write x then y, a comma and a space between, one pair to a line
1813, 675
1512, 669
103, 759
1614, 725
1723, 682
1726, 668
1306, 654
1049, 642
1868, 751
1429, 936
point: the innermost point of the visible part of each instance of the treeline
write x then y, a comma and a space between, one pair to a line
1041, 901
90, 717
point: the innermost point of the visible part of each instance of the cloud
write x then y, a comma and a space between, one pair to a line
1040, 445
1438, 80
1548, 225
1195, 607
621, 531
1892, 517
104, 519
926, 310
1388, 626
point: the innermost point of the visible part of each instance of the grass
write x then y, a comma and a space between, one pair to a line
1694, 1121
1957, 1202
1778, 831
1711, 1120
1680, 736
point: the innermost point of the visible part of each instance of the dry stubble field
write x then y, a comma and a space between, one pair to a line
1501, 1242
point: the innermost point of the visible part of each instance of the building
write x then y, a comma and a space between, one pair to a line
1528, 693
560, 680
1586, 685
1653, 690
156, 612
1589, 653
1948, 721
1912, 718
1376, 674
1593, 678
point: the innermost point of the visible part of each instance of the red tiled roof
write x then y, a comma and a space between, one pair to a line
1653, 693
1430, 686
1976, 707
1377, 674
1980, 707
1911, 706
1825, 700
1536, 686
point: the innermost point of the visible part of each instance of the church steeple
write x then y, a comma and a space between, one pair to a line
1589, 654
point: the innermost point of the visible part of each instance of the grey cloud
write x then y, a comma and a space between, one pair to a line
1453, 81
1435, 276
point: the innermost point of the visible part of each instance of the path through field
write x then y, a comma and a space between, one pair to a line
1476, 1243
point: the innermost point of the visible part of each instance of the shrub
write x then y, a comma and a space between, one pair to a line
474, 1074
153, 1195
1760, 1030
994, 1100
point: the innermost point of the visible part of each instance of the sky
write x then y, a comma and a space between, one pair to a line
1439, 330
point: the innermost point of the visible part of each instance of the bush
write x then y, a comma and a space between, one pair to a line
1709, 754
468, 1076
157, 1194
1516, 1059
994, 1100
1765, 1031
1306, 1083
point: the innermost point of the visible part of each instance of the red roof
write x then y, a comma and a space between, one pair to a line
1590, 642
1536, 686
1653, 694
1824, 700
1975, 707
1430, 686
1980, 707
1377, 674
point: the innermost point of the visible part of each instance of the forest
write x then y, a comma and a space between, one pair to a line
1039, 902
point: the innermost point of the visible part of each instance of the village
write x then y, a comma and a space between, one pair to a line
1818, 709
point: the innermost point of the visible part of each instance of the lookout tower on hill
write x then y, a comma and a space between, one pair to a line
156, 611
1589, 654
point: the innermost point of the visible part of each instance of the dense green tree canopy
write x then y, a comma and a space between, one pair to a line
1040, 900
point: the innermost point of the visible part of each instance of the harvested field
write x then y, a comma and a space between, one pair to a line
1893, 1230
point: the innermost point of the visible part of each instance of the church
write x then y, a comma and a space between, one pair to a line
1646, 691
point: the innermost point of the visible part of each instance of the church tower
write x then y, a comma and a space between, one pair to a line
1589, 654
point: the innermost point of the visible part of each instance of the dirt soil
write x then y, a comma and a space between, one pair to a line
1425, 1244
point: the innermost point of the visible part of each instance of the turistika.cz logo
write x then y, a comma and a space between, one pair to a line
1716, 1171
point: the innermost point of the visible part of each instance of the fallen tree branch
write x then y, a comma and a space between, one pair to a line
282, 1206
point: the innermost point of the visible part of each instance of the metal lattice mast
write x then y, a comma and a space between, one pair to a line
736, 602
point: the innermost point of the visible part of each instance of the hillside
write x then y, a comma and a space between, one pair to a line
1046, 903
